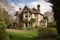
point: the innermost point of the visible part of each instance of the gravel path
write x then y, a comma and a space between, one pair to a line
15, 30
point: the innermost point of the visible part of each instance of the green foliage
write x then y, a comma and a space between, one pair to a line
28, 28
3, 25
56, 10
3, 33
45, 17
4, 16
36, 26
32, 29
20, 28
52, 25
32, 20
47, 32
25, 21
22, 35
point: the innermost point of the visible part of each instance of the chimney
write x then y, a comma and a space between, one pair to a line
38, 8
20, 9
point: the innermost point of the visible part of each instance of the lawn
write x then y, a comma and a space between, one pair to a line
22, 35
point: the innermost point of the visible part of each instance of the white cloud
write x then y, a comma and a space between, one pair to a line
45, 6
21, 5
16, 7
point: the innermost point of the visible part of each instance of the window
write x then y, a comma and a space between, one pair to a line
26, 16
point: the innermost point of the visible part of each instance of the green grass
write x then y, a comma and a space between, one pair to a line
22, 35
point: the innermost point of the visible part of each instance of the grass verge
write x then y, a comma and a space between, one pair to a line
22, 35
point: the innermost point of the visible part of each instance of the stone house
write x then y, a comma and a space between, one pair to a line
27, 17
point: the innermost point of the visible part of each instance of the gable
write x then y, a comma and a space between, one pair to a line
26, 9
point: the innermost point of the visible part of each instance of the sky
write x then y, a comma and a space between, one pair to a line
45, 6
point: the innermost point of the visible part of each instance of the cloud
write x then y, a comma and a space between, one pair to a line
14, 5
17, 6
45, 6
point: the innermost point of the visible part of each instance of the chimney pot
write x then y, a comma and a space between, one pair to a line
38, 7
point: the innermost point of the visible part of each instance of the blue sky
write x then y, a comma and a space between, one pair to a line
45, 6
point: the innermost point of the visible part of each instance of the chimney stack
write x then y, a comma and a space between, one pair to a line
38, 8
20, 9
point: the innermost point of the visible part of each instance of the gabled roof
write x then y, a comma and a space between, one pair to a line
33, 10
27, 8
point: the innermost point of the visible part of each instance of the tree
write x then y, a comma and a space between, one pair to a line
32, 20
3, 25
25, 21
4, 14
3, 33
56, 10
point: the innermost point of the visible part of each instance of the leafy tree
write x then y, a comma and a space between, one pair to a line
3, 25
3, 33
56, 10
32, 20
25, 21
4, 15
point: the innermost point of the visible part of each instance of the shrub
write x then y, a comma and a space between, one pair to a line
19, 27
32, 29
47, 32
36, 26
52, 26
28, 29
3, 33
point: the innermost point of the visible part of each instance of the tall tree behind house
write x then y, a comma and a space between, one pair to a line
56, 10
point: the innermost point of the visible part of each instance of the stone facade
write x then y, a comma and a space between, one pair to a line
26, 16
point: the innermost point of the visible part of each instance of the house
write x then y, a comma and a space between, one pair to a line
27, 17
43, 23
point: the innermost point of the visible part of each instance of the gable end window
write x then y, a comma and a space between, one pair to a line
26, 16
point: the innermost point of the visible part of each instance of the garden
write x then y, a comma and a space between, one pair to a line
22, 35
42, 34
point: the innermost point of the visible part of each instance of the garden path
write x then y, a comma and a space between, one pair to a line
15, 30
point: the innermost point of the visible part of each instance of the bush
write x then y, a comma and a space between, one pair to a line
47, 32
20, 28
52, 25
28, 29
36, 26
3, 33
32, 29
